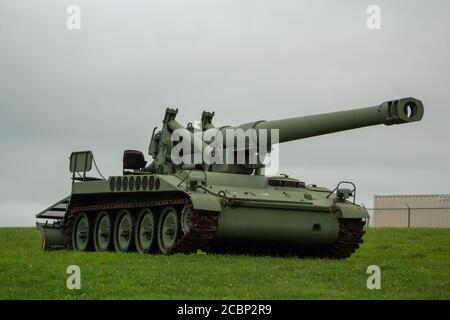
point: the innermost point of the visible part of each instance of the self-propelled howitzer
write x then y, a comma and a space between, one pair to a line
181, 207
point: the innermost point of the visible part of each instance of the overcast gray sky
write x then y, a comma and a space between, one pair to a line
106, 86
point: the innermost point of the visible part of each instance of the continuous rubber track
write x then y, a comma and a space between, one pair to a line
350, 237
351, 232
203, 227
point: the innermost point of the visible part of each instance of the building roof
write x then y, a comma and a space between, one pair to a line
441, 196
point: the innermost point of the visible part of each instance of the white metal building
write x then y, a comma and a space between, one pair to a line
412, 210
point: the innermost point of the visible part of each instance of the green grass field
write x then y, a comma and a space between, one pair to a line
415, 264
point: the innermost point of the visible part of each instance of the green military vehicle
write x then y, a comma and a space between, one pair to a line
169, 207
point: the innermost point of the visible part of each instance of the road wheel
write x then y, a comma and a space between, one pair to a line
124, 231
186, 219
103, 229
168, 229
145, 231
82, 233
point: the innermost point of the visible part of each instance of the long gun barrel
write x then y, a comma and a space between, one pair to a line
390, 112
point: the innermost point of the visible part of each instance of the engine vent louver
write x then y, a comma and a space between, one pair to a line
144, 183
131, 184
118, 183
112, 183
125, 184
137, 183
157, 184
151, 183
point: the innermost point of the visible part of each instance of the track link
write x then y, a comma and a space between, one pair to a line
351, 232
202, 229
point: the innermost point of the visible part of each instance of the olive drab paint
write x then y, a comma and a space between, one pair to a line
223, 207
